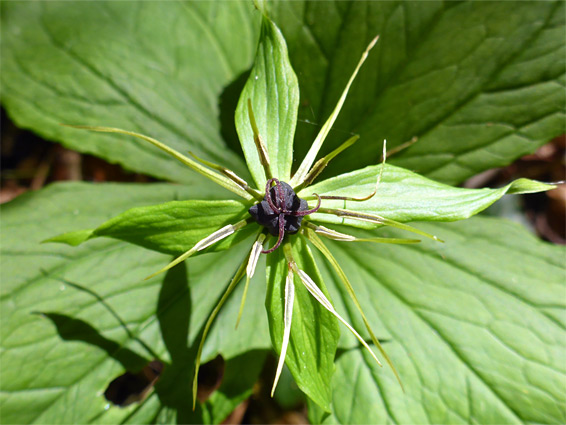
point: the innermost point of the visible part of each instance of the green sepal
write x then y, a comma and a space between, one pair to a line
405, 196
273, 90
72, 238
172, 227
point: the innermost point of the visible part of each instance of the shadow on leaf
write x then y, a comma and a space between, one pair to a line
227, 104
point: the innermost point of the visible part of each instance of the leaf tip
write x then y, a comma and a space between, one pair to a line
522, 186
71, 238
260, 5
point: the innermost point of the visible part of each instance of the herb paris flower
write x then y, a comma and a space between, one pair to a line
279, 208
281, 212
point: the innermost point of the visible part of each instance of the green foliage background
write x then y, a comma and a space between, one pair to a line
476, 326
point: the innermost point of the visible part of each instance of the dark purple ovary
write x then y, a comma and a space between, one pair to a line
288, 204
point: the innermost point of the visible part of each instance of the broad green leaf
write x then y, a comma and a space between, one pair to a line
405, 196
172, 227
478, 83
274, 94
314, 331
101, 318
475, 326
158, 69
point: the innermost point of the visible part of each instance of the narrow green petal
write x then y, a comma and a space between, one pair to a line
374, 218
343, 237
326, 252
303, 170
215, 177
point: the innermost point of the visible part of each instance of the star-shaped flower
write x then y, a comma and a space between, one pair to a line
284, 211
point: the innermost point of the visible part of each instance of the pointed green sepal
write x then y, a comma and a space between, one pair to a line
72, 238
267, 108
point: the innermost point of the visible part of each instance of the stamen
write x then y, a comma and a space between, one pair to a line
215, 237
250, 270
374, 218
254, 256
343, 237
287, 320
321, 298
231, 175
331, 234
203, 243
